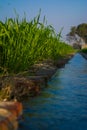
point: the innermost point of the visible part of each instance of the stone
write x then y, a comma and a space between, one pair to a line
9, 113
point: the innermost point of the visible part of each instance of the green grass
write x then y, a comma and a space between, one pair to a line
24, 43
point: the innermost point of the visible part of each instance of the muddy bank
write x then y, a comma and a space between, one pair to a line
31, 82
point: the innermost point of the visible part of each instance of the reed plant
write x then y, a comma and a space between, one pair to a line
24, 43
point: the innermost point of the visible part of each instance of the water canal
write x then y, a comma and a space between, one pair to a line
62, 105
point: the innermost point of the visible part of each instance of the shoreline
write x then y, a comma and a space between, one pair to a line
84, 55
13, 89
30, 83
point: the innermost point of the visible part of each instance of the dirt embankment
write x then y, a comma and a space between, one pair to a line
31, 82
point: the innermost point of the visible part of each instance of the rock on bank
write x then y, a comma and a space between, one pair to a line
9, 113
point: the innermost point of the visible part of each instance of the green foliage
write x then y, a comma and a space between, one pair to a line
80, 30
23, 43
73, 31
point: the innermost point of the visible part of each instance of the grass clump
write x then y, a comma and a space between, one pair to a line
24, 43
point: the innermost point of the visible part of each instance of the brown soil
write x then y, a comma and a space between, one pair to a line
31, 82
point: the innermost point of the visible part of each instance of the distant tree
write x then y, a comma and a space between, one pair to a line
72, 31
80, 30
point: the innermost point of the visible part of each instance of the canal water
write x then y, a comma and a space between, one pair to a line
62, 105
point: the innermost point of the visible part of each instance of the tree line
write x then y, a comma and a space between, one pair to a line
80, 30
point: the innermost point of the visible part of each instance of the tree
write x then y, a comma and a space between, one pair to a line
80, 30
73, 31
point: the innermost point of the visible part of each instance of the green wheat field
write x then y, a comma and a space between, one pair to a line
23, 43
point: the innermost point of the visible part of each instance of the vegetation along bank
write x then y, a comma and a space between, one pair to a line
30, 52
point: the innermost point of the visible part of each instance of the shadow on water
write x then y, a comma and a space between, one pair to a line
63, 103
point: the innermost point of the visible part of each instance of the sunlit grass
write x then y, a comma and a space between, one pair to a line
24, 43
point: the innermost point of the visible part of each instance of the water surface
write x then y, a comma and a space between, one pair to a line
63, 103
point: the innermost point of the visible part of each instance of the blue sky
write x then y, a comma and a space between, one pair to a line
59, 13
